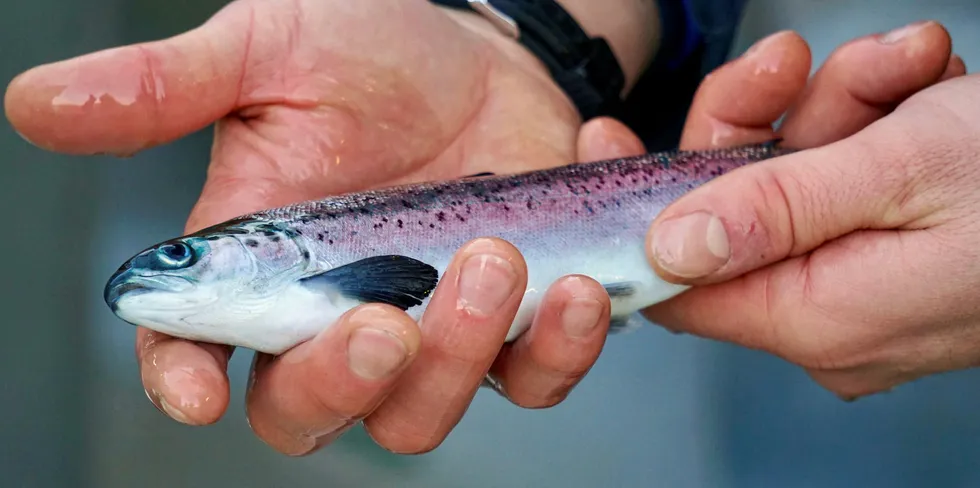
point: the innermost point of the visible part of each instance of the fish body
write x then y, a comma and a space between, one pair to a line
273, 279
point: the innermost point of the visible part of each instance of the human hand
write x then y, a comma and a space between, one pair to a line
854, 260
315, 98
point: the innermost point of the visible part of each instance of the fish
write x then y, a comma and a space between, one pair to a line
272, 279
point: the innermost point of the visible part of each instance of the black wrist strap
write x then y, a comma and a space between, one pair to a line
584, 67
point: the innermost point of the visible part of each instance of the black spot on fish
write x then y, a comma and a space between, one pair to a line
251, 243
276, 238
432, 226
400, 223
441, 216
330, 242
306, 254
319, 237
460, 217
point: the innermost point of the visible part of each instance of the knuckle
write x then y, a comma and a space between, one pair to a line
772, 213
798, 201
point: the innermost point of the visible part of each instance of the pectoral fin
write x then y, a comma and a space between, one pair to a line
624, 324
623, 289
394, 280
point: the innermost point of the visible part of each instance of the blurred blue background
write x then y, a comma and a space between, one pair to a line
658, 410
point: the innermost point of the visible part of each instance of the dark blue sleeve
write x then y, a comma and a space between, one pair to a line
696, 37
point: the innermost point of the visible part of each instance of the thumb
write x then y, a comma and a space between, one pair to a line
783, 207
129, 98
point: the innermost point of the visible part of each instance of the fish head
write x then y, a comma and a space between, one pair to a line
207, 280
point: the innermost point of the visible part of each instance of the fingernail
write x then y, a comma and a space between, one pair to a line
373, 354
692, 246
764, 59
485, 283
761, 44
581, 316
172, 412
902, 33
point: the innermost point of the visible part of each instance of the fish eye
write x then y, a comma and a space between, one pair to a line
174, 255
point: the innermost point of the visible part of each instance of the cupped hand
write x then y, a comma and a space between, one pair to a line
313, 98
856, 259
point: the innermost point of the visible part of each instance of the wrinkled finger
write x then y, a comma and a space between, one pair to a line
464, 326
542, 366
129, 98
312, 394
606, 138
955, 68
865, 80
738, 103
186, 380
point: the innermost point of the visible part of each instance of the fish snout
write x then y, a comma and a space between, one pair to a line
121, 283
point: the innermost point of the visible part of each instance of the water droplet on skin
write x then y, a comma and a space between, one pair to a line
183, 384
173, 412
721, 132
123, 86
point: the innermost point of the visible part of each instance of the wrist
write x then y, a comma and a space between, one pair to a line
630, 27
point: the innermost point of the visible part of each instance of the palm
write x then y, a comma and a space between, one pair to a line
426, 98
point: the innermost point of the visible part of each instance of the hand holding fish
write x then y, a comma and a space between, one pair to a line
314, 98
856, 260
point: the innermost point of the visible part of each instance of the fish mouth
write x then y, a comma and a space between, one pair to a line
114, 293
126, 282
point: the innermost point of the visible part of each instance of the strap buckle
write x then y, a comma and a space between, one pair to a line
499, 19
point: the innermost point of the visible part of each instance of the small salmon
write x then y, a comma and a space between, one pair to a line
273, 279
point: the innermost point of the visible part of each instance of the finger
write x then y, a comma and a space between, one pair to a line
955, 68
464, 326
739, 102
780, 208
816, 311
864, 80
606, 138
542, 366
764, 227
187, 381
129, 98
312, 394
